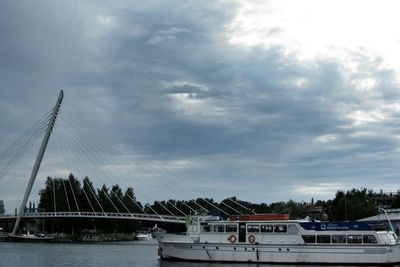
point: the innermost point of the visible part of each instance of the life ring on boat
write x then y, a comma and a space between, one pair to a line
251, 239
232, 239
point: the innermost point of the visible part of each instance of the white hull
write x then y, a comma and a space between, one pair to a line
282, 241
262, 253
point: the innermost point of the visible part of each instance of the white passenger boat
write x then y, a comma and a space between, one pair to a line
281, 241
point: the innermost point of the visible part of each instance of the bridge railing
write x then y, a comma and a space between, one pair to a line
132, 216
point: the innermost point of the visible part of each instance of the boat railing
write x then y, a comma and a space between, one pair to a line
390, 223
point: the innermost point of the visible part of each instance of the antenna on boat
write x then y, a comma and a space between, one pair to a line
38, 161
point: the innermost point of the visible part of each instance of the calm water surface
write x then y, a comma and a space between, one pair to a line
135, 253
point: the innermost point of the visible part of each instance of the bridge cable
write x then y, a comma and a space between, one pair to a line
84, 191
111, 191
222, 202
180, 178
21, 139
82, 155
32, 131
19, 154
90, 148
238, 203
84, 143
83, 184
22, 145
106, 144
54, 198
60, 148
66, 145
149, 206
66, 196
69, 180
95, 134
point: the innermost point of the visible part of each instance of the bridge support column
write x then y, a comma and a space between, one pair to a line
38, 162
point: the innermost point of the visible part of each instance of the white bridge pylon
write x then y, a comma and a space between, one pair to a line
98, 215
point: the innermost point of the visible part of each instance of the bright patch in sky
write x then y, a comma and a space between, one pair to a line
321, 29
318, 189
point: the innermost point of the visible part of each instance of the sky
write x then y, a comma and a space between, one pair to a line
264, 100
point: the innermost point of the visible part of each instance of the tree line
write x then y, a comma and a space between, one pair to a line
71, 195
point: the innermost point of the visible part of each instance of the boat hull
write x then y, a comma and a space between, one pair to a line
293, 254
30, 239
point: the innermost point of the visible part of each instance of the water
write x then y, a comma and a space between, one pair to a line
136, 253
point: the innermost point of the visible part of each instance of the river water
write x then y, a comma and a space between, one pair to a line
135, 253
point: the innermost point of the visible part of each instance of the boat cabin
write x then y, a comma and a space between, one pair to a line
286, 232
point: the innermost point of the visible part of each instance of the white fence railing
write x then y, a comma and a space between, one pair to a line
109, 215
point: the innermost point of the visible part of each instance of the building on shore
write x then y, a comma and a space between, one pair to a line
386, 200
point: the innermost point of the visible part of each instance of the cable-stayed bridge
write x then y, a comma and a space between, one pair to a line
83, 150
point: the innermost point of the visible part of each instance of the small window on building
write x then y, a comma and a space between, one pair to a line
338, 239
206, 228
309, 238
324, 239
369, 239
267, 228
253, 228
231, 228
354, 239
219, 228
280, 228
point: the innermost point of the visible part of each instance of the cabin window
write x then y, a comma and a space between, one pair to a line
292, 229
253, 228
219, 228
369, 239
280, 228
324, 239
206, 228
354, 239
309, 238
267, 228
231, 228
338, 239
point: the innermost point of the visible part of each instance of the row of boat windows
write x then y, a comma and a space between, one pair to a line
340, 239
219, 228
251, 228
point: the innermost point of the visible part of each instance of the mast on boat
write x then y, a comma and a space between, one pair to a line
38, 161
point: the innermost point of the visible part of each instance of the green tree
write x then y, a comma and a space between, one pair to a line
352, 205
2, 210
129, 200
295, 209
116, 196
91, 196
396, 203
105, 199
46, 196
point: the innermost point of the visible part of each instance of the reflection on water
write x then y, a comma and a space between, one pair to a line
136, 253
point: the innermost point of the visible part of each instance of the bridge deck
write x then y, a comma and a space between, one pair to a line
98, 215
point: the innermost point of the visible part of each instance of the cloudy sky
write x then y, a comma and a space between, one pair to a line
263, 100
